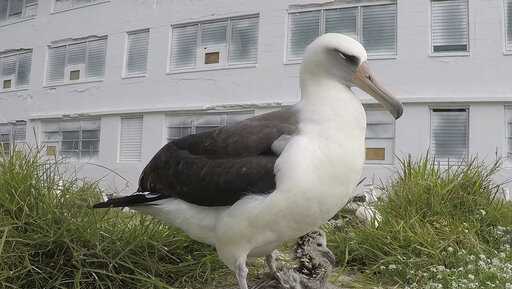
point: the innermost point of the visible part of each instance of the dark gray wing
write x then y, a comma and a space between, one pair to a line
217, 167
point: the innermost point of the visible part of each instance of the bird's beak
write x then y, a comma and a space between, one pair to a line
365, 80
329, 256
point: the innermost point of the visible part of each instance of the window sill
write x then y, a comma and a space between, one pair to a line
10, 22
134, 76
450, 54
507, 52
71, 83
370, 57
78, 7
376, 163
13, 89
178, 71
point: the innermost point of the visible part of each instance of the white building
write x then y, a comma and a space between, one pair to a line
107, 83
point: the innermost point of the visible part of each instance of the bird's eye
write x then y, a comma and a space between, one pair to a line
319, 244
349, 58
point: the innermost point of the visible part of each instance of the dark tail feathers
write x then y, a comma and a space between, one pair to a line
137, 199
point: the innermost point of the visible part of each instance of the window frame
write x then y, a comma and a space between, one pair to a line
23, 16
432, 53
392, 122
92, 3
468, 127
86, 40
80, 140
124, 73
359, 26
507, 50
226, 65
16, 53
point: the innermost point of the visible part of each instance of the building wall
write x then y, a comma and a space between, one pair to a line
480, 79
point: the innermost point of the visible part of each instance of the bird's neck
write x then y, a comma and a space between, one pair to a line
331, 105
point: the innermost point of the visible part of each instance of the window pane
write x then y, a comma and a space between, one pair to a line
8, 66
130, 142
76, 53
244, 40
379, 130
304, 27
62, 4
24, 67
213, 34
3, 10
15, 8
450, 25
508, 21
342, 21
96, 53
90, 134
70, 135
184, 46
90, 146
379, 29
178, 132
56, 62
449, 134
137, 52
69, 145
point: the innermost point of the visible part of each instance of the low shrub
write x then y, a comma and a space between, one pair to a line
441, 227
51, 238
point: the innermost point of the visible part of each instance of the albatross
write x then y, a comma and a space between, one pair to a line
248, 187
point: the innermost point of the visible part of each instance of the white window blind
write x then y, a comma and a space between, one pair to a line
343, 20
243, 47
180, 125
450, 25
304, 27
130, 143
449, 134
508, 24
15, 69
80, 61
375, 26
68, 4
225, 42
380, 136
76, 139
508, 131
137, 52
379, 29
11, 10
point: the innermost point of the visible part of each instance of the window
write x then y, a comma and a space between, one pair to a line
136, 52
12, 135
450, 31
12, 10
508, 123
449, 134
61, 5
76, 139
130, 142
15, 69
77, 61
508, 24
180, 125
218, 43
380, 136
373, 25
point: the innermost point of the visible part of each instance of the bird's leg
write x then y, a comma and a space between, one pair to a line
241, 274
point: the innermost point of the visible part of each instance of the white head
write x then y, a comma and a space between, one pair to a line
340, 58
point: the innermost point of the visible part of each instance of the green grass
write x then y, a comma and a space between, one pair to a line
437, 225
51, 238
